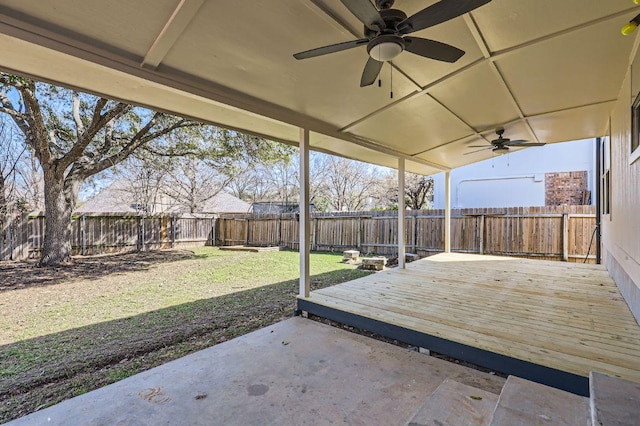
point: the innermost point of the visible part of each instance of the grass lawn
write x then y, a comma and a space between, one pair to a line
66, 331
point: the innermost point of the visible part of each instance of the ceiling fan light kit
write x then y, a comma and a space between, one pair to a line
385, 30
385, 47
500, 150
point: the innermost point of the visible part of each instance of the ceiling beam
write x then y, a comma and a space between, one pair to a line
482, 44
420, 92
446, 108
173, 29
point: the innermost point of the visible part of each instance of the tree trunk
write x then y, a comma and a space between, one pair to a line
59, 200
4, 209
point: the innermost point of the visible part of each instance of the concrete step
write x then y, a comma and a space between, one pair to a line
614, 401
525, 403
455, 404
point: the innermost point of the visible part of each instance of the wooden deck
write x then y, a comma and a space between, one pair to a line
552, 322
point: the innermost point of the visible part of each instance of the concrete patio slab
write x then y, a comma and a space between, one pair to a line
295, 372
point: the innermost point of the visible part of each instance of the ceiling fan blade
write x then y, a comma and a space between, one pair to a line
370, 73
478, 150
479, 146
319, 51
525, 143
366, 12
437, 13
432, 49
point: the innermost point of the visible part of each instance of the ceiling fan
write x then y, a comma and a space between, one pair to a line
501, 144
385, 32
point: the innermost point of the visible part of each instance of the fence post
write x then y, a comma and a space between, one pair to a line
223, 231
279, 231
565, 237
83, 234
173, 231
9, 235
23, 250
481, 236
359, 237
247, 233
142, 242
414, 241
214, 231
314, 237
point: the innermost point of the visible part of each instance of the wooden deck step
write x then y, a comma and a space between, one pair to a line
614, 402
453, 403
525, 403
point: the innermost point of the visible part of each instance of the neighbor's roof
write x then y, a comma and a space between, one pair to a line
547, 70
118, 197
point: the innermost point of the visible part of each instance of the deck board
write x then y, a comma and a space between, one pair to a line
565, 316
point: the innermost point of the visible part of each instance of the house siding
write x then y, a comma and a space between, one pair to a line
621, 228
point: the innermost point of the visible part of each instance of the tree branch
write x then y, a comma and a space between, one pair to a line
99, 121
21, 120
140, 139
153, 151
37, 135
76, 115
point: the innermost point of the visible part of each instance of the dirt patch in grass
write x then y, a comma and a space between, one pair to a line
99, 321
20, 275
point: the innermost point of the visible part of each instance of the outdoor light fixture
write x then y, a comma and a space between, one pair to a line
633, 24
385, 47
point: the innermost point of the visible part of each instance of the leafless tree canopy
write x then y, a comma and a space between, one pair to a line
336, 184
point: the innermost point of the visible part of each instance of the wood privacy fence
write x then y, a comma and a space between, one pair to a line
22, 236
552, 233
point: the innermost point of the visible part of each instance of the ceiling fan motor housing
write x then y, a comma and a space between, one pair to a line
386, 44
384, 4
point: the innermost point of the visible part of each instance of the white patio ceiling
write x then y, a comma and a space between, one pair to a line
548, 70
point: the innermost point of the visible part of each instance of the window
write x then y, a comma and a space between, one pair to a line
635, 129
605, 178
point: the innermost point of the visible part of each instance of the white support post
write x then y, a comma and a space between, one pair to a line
305, 216
401, 212
447, 212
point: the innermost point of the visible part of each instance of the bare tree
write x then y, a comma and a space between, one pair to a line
335, 183
348, 185
10, 156
418, 191
254, 182
140, 180
191, 182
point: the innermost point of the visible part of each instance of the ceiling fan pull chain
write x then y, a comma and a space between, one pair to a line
379, 78
391, 91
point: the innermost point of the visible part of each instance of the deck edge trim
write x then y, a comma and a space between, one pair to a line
559, 379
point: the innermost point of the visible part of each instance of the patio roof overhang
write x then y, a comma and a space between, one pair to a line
547, 71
